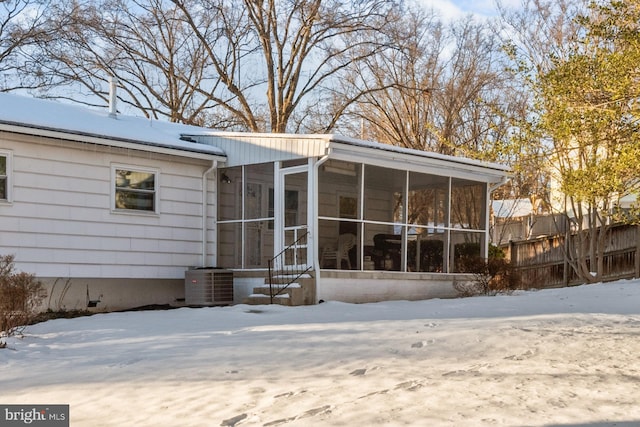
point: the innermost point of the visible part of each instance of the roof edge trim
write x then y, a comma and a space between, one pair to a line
25, 129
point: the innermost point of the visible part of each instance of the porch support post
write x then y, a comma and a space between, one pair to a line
487, 223
361, 225
446, 258
314, 190
278, 207
311, 212
315, 222
404, 231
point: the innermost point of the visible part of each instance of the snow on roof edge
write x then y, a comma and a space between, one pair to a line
47, 115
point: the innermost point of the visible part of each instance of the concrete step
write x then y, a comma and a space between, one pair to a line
294, 291
282, 277
264, 299
302, 291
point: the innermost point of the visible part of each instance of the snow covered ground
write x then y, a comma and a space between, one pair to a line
562, 357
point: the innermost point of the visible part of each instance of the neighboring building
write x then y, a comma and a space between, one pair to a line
119, 208
512, 220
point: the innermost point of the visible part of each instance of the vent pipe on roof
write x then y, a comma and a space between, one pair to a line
113, 110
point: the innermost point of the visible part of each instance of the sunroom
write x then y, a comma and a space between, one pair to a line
367, 221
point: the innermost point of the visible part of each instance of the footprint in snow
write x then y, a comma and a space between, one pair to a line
421, 344
233, 421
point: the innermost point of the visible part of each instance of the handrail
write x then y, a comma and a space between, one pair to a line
286, 270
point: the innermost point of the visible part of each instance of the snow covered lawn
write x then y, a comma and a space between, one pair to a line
562, 357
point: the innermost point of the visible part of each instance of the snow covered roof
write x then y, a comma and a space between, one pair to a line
45, 115
512, 208
38, 116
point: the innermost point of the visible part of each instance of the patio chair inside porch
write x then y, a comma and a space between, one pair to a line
336, 255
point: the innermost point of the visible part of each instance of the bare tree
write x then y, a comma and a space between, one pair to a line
393, 90
285, 52
232, 64
160, 66
22, 24
472, 101
440, 89
539, 32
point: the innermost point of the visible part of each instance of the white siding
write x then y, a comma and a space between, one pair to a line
61, 222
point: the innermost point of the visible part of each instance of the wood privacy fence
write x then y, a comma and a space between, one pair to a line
541, 262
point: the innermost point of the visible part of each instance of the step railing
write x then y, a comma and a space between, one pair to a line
278, 267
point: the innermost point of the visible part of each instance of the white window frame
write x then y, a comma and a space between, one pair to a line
8, 155
156, 191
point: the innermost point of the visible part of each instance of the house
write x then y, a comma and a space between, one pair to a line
115, 209
512, 220
518, 219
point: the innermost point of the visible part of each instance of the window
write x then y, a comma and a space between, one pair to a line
347, 207
5, 171
135, 189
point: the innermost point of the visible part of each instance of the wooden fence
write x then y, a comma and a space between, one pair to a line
542, 263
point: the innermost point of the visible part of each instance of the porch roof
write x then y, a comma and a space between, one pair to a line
252, 148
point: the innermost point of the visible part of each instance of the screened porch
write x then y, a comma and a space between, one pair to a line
367, 217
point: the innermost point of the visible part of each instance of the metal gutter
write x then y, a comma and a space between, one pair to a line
359, 145
189, 152
205, 204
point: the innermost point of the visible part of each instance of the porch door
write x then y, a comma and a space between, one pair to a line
291, 215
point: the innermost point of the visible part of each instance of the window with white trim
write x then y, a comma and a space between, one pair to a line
5, 178
135, 189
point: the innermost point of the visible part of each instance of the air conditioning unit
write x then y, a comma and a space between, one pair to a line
208, 286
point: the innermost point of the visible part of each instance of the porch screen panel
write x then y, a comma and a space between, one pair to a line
259, 247
466, 247
425, 249
407, 221
295, 200
342, 180
427, 205
427, 200
230, 194
258, 182
245, 216
383, 247
468, 204
385, 216
339, 207
230, 245
337, 250
384, 191
258, 215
